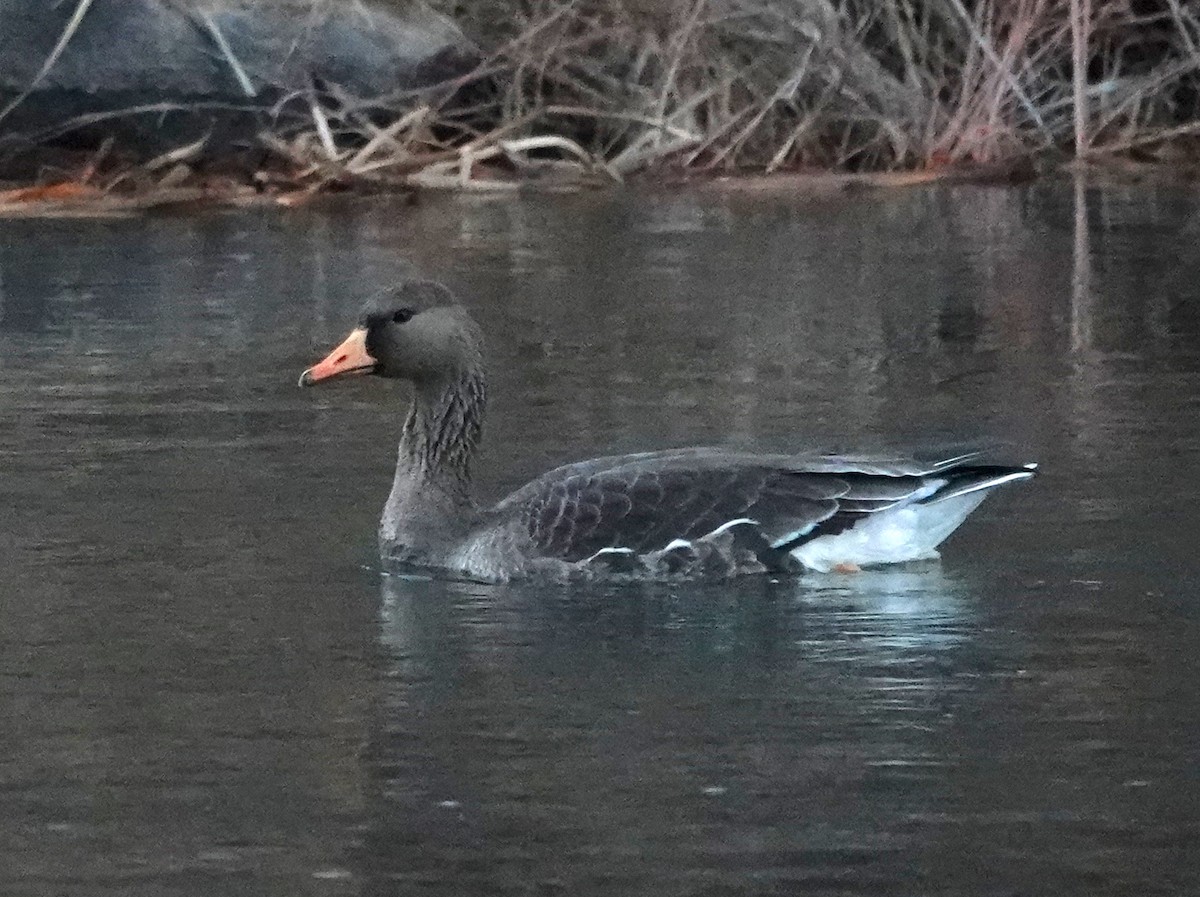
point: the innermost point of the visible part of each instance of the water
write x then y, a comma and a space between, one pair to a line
207, 688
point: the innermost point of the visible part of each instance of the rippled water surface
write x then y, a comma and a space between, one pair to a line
206, 687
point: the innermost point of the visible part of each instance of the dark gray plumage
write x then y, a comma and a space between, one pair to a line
679, 511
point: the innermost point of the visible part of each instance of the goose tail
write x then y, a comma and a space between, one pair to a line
910, 530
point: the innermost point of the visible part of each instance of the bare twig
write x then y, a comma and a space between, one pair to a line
322, 125
177, 155
1081, 21
239, 73
411, 119
63, 39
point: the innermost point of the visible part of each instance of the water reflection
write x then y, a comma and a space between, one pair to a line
914, 608
697, 715
1081, 274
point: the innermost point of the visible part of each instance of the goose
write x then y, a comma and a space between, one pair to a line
678, 512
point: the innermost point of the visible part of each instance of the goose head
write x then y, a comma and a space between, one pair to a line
416, 331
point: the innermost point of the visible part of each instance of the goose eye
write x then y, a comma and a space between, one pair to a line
403, 315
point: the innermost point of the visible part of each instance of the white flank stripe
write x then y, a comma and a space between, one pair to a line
609, 551
957, 459
924, 492
729, 525
780, 542
988, 484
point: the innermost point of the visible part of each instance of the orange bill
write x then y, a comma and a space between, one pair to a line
350, 358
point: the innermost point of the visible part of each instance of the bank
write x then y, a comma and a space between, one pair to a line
141, 102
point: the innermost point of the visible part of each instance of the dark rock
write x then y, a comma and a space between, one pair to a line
185, 64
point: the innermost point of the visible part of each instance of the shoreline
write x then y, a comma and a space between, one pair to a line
87, 196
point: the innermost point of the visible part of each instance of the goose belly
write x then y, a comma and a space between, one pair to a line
908, 533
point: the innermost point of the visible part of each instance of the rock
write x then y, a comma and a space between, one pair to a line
217, 70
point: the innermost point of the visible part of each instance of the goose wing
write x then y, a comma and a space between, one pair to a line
644, 503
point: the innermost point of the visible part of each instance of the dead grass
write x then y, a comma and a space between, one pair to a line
844, 84
581, 91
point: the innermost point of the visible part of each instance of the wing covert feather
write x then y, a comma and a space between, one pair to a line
574, 517
646, 501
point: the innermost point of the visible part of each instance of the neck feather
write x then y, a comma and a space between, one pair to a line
441, 435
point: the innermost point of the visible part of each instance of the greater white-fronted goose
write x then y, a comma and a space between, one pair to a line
676, 512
